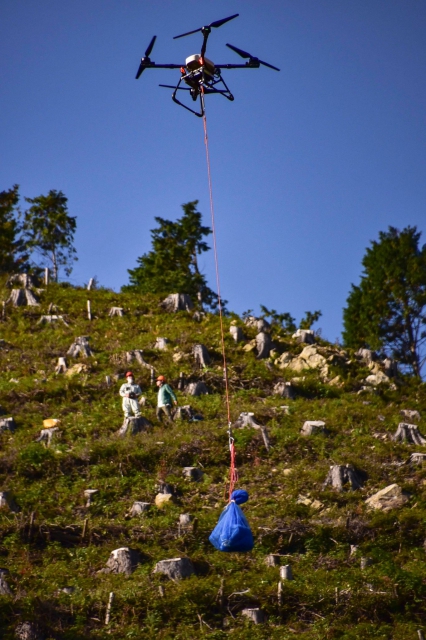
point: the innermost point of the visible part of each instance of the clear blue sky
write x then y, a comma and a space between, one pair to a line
308, 164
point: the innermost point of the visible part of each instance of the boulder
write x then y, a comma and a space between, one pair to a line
175, 568
390, 497
76, 369
366, 355
162, 500
177, 302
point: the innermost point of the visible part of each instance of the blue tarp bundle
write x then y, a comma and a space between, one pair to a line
232, 532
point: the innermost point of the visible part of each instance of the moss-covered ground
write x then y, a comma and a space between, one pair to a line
331, 597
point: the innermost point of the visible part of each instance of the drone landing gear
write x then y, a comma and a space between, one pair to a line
200, 87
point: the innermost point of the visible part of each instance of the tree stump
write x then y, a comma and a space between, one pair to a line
255, 615
257, 323
22, 298
366, 562
311, 427
263, 345
4, 587
339, 475
391, 367
46, 435
132, 426
411, 414
89, 494
273, 560
417, 458
196, 389
27, 631
201, 355
116, 311
137, 354
284, 390
366, 355
163, 487
52, 319
123, 560
408, 433
304, 336
7, 424
186, 523
7, 502
246, 419
192, 473
186, 412
138, 508
176, 568
162, 344
80, 347
286, 573
61, 367
236, 333
177, 302
24, 280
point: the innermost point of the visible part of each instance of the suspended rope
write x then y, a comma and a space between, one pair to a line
233, 473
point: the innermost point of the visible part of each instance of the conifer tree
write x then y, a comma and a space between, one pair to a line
387, 310
12, 254
172, 264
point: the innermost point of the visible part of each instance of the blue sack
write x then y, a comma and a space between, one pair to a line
232, 532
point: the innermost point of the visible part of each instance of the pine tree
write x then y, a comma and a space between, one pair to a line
172, 264
387, 310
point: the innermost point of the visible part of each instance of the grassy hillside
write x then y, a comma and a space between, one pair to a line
55, 541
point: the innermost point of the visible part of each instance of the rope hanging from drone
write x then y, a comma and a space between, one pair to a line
233, 473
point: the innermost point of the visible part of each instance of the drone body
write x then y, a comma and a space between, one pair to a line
200, 74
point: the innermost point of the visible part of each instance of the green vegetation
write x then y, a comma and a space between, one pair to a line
330, 597
388, 309
49, 230
172, 265
12, 252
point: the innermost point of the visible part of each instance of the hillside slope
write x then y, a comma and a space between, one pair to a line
54, 541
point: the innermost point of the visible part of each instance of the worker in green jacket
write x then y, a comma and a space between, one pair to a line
166, 398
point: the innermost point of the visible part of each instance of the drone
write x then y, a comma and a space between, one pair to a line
200, 74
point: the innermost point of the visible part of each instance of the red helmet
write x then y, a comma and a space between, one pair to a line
161, 379
129, 374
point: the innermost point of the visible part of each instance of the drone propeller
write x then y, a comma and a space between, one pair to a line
251, 58
215, 24
145, 61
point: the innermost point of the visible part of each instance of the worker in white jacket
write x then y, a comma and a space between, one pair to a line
130, 392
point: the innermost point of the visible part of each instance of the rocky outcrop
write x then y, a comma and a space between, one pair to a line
391, 497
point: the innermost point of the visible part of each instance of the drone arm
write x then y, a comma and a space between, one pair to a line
247, 65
